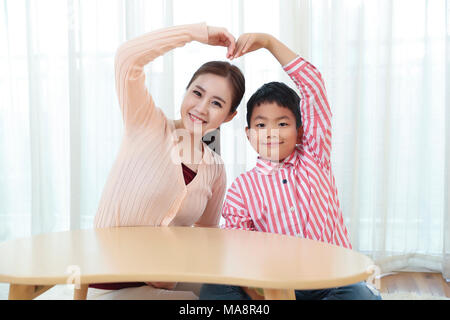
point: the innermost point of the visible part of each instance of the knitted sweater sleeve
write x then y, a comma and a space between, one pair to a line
135, 101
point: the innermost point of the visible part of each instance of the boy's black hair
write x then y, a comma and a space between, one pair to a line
279, 93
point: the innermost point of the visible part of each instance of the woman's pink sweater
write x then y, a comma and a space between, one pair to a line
146, 186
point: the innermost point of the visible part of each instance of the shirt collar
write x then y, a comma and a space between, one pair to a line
267, 167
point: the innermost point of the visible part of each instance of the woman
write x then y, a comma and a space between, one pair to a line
164, 175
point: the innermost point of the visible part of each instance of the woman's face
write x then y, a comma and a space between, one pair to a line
206, 104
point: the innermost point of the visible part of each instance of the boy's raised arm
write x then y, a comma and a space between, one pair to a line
314, 107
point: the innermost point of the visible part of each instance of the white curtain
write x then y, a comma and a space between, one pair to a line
385, 63
386, 68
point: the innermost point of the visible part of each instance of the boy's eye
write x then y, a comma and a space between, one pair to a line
283, 124
260, 125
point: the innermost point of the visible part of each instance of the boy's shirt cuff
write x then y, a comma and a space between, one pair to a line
292, 63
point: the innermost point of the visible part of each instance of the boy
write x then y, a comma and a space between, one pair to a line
292, 189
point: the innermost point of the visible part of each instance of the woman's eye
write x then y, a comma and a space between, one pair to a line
217, 104
197, 93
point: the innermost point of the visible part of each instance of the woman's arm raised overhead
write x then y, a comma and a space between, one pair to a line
135, 101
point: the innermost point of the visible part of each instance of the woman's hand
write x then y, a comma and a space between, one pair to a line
249, 42
221, 37
162, 285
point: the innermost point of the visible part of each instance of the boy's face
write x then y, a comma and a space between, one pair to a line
273, 133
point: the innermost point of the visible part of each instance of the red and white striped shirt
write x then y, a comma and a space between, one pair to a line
297, 197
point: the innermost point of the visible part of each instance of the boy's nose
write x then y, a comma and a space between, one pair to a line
273, 133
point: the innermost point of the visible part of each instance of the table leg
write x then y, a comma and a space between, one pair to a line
81, 294
26, 292
279, 294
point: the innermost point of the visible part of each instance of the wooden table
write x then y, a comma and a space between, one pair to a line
277, 263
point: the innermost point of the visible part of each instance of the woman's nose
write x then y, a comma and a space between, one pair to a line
202, 106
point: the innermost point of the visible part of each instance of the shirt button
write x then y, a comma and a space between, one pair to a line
284, 181
292, 209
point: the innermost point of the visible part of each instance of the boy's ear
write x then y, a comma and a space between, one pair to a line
299, 135
247, 132
230, 117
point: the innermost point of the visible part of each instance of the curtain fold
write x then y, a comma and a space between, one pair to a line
75, 100
446, 225
386, 70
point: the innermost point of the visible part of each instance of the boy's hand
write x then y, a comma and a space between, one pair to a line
221, 37
249, 42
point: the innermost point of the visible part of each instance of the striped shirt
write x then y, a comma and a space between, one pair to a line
298, 196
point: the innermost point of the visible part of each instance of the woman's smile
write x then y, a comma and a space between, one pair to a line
196, 119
